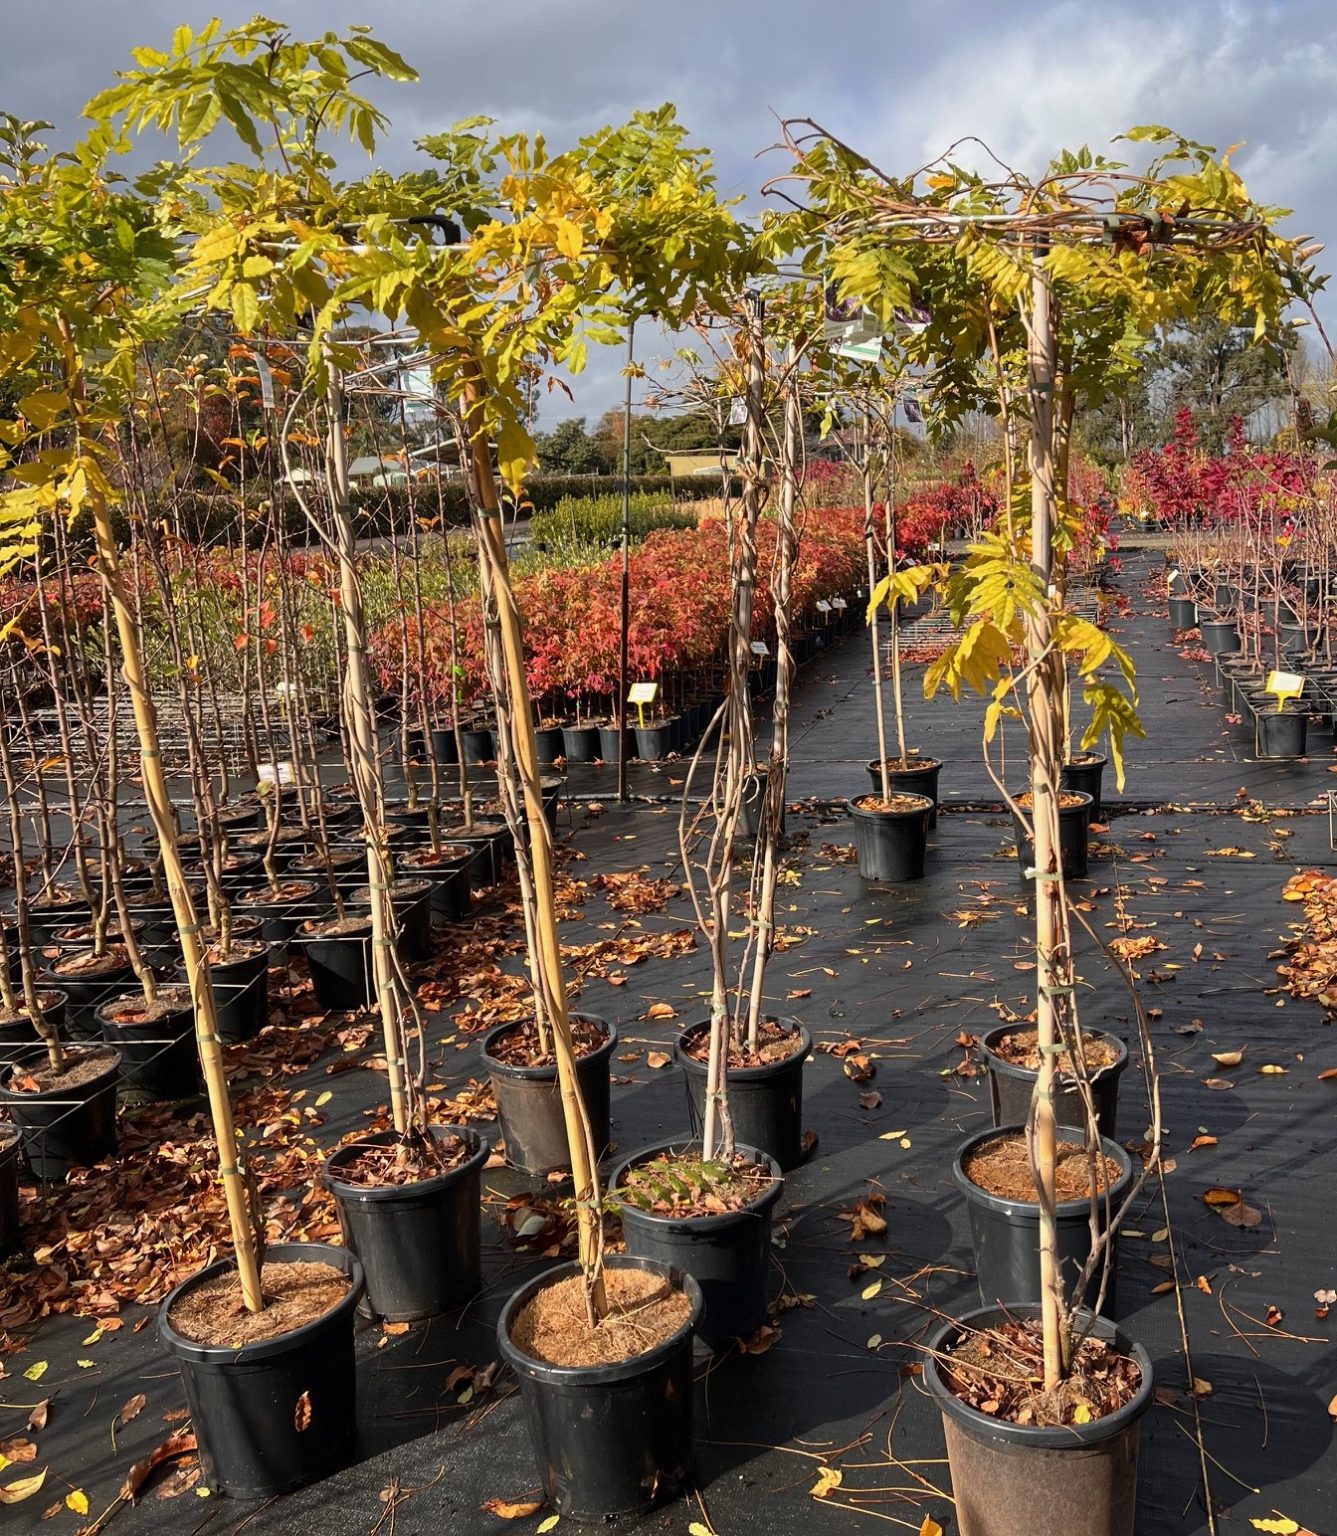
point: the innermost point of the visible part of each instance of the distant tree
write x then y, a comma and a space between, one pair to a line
1217, 371
570, 450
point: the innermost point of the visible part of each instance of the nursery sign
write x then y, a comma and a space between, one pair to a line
641, 694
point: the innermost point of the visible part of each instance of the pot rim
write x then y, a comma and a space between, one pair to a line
539, 1074
1003, 1206
867, 813
88, 1087
596, 1375
224, 1355
176, 997
760, 1206
372, 1194
1063, 1437
741, 1074
1088, 800
1008, 1068
923, 765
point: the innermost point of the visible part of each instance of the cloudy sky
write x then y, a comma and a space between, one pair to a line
899, 81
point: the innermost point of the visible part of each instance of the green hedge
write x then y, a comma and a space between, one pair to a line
597, 520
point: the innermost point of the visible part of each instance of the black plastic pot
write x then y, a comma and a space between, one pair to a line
765, 1103
754, 791
1183, 613
1017, 1480
450, 878
1220, 636
1074, 823
478, 744
653, 742
1084, 778
244, 1401
241, 995
608, 1439
580, 743
1006, 1233
1011, 1086
22, 1031
67, 1127
241, 871
922, 779
729, 1256
548, 744
44, 922
892, 844
412, 900
1282, 734
342, 977
610, 743
444, 747
84, 995
158, 1056
418, 1243
281, 917
11, 1157
493, 838
529, 1104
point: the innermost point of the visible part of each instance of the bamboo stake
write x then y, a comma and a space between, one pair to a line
1042, 705
231, 1161
579, 1136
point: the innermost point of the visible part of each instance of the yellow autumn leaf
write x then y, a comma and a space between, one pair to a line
36, 1372
1229, 1058
24, 1488
324, 1098
1271, 1070
1081, 1414
550, 1524
828, 1479
930, 1527
77, 1501
1281, 1526
869, 1291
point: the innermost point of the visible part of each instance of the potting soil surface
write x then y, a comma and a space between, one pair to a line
820, 1423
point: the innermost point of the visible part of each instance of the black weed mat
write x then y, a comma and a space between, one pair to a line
905, 971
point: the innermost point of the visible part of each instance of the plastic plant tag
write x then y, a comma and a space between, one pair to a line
1286, 685
641, 694
760, 648
823, 606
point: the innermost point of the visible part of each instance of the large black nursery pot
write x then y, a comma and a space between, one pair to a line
340, 962
11, 1157
580, 743
1183, 613
298, 902
728, 1255
891, 844
529, 1102
1220, 636
21, 1031
65, 1127
412, 902
921, 778
1005, 1233
159, 1059
1074, 824
608, 1439
444, 746
449, 871
1011, 1087
419, 1242
655, 741
1084, 777
1018, 1480
86, 991
754, 794
548, 744
244, 1401
241, 991
478, 744
1282, 733
610, 742
47, 918
765, 1102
